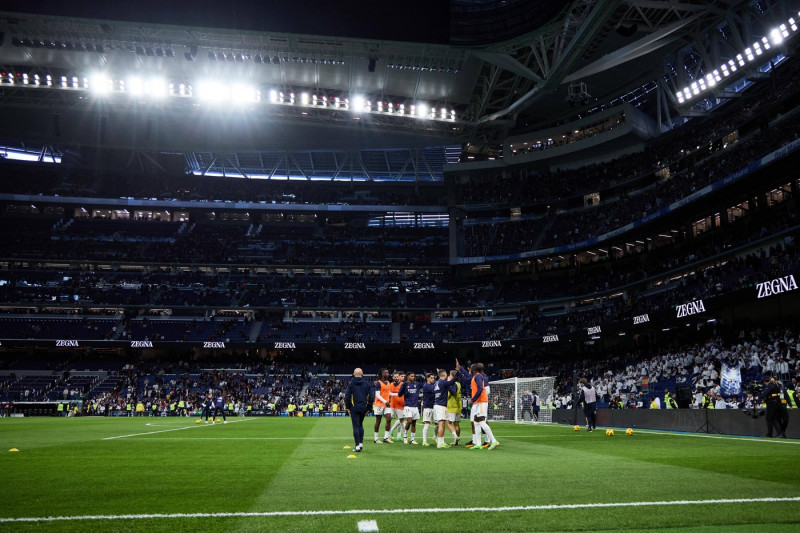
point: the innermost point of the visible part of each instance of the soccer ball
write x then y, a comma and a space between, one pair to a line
629, 432
196, 421
610, 432
576, 428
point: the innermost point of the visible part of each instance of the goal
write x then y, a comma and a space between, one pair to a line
514, 399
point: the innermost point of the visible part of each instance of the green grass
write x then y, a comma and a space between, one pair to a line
64, 467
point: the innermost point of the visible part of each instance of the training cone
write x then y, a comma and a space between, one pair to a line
347, 447
197, 422
351, 456
13, 450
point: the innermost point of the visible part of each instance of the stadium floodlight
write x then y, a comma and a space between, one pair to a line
134, 86
156, 88
304, 98
273, 96
358, 104
243, 94
98, 83
776, 36
213, 92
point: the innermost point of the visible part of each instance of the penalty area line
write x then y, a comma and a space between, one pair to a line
267, 514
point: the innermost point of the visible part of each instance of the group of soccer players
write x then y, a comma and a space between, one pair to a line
397, 405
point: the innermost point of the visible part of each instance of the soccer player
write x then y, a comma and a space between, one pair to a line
537, 402
588, 396
480, 408
527, 405
428, 394
443, 386
397, 405
410, 394
381, 405
358, 396
466, 380
454, 408
219, 407
208, 404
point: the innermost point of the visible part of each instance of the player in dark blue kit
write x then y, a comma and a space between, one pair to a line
358, 398
410, 392
441, 388
428, 395
219, 408
208, 405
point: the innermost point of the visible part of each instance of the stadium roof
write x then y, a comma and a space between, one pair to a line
511, 76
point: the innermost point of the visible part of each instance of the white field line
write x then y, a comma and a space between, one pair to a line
343, 438
168, 430
722, 437
267, 514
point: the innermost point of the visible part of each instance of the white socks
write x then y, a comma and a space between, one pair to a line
425, 432
488, 431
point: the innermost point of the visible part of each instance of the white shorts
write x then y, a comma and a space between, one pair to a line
439, 413
411, 412
377, 411
479, 410
398, 412
427, 415
453, 417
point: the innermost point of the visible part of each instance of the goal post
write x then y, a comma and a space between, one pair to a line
514, 399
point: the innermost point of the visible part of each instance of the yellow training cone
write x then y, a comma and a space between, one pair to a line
351, 456
347, 447
13, 450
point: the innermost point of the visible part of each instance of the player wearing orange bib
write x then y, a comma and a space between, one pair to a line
380, 406
397, 405
480, 408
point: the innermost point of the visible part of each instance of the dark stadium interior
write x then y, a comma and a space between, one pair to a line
599, 189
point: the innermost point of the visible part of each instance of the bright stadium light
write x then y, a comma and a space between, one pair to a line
775, 36
155, 88
304, 98
243, 94
213, 92
99, 84
422, 111
134, 86
357, 104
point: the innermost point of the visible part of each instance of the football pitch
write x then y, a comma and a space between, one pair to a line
280, 474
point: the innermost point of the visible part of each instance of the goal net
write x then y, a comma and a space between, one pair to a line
515, 399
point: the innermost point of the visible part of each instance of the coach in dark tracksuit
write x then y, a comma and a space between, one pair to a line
358, 399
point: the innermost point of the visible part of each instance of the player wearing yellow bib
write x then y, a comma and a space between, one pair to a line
454, 409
